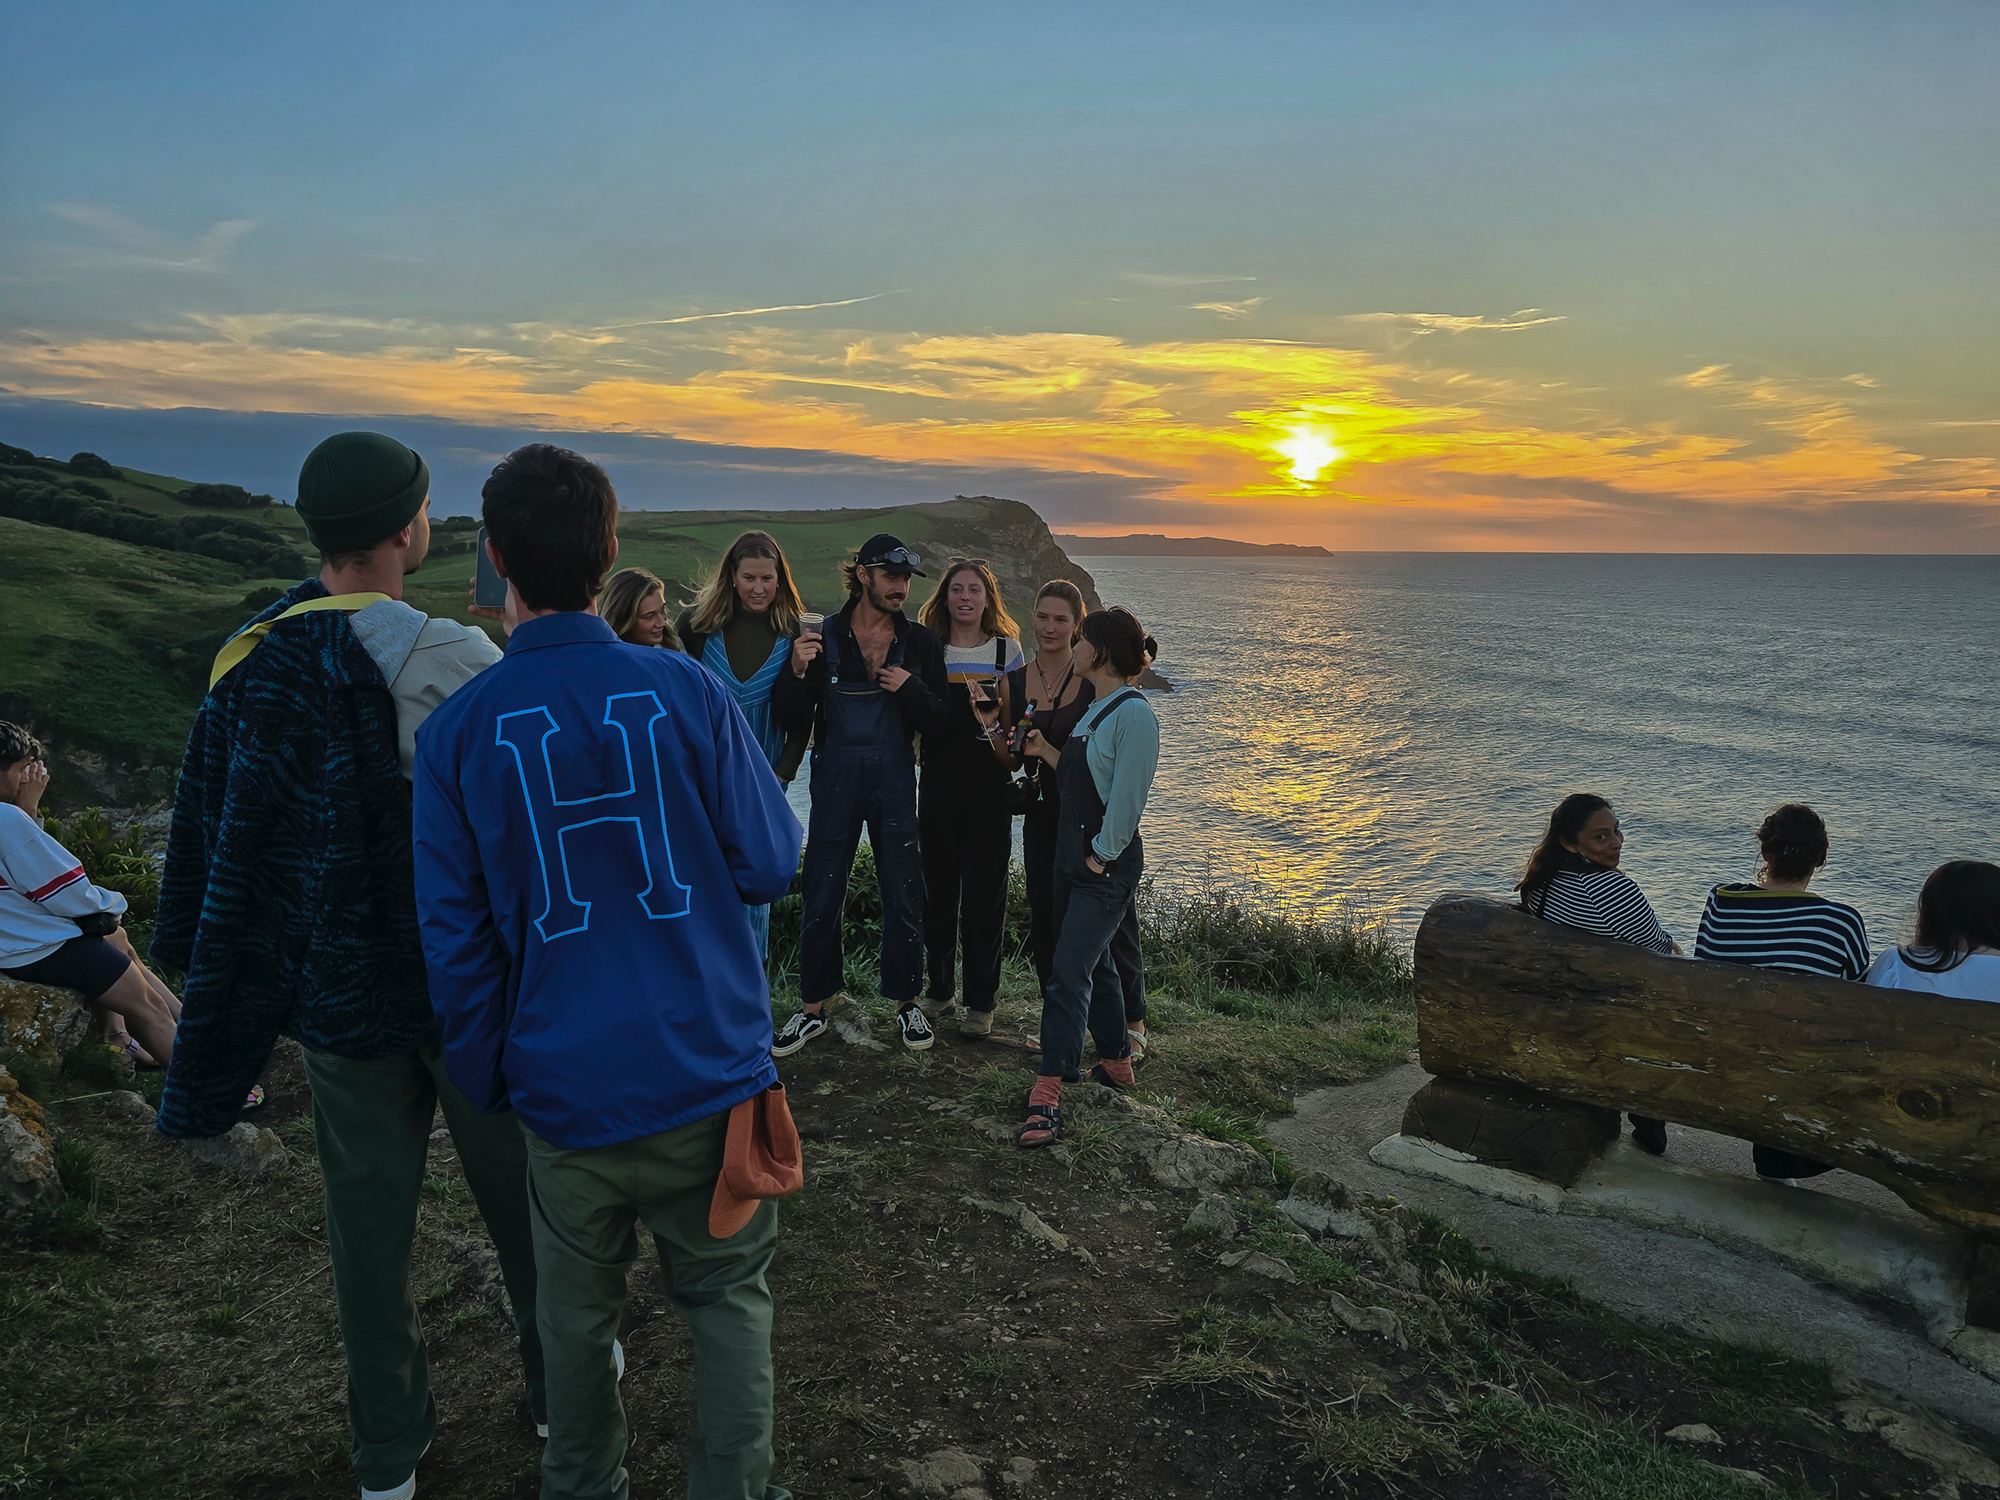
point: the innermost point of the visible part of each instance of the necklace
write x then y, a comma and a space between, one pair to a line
1048, 696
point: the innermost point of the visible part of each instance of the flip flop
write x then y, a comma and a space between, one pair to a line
254, 1099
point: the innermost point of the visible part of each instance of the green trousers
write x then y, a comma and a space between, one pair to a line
372, 1123
586, 1206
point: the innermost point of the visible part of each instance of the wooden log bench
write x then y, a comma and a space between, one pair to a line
1540, 1036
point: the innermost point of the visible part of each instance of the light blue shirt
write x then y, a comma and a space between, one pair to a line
1122, 757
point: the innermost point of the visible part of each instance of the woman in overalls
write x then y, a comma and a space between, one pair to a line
741, 626
1103, 775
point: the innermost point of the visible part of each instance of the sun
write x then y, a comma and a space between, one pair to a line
1311, 450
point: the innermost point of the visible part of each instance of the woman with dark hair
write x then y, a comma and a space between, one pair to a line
1777, 922
1105, 773
1573, 878
741, 627
633, 602
1957, 951
963, 822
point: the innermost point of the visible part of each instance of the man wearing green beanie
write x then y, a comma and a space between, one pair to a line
288, 901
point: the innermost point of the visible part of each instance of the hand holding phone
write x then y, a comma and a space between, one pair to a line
489, 589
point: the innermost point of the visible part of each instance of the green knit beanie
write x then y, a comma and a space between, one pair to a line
360, 488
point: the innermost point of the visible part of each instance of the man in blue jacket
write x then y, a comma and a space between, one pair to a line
593, 822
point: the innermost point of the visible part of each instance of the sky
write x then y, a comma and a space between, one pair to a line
1413, 276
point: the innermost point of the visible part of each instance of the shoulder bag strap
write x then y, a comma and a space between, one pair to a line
240, 645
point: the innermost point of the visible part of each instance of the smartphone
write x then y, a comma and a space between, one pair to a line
489, 589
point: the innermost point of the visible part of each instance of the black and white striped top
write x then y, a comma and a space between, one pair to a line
1745, 924
1602, 901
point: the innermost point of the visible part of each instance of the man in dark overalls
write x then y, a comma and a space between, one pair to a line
868, 684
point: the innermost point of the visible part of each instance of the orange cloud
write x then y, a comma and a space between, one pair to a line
1223, 420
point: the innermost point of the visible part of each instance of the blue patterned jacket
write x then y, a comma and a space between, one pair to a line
287, 898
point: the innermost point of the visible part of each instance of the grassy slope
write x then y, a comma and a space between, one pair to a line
113, 656
198, 1353
111, 642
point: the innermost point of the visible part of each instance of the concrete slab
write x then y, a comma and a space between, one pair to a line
1658, 1271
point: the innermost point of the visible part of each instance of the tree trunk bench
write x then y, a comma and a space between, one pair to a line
1541, 1035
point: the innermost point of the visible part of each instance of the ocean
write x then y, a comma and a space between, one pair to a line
1365, 732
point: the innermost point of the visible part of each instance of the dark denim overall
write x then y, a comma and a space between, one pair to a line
864, 772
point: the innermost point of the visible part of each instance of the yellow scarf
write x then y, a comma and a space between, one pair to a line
245, 641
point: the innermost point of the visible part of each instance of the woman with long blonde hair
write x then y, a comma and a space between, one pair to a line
963, 820
634, 604
741, 626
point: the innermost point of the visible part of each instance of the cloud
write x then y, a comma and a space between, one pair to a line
133, 244
1430, 322
748, 312
1230, 310
1174, 280
1703, 378
1191, 425
1866, 382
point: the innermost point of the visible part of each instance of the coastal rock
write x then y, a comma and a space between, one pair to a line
27, 1149
1212, 1218
40, 1021
1172, 1157
857, 1029
1018, 1478
1919, 1437
1694, 1432
1379, 1321
1030, 1223
1749, 1478
1257, 1263
243, 1149
132, 1105
944, 1474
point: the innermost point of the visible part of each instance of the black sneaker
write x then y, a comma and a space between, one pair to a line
795, 1033
916, 1027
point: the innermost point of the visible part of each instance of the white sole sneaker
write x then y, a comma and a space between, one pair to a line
407, 1490
618, 1367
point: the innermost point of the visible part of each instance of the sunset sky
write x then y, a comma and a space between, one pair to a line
1409, 276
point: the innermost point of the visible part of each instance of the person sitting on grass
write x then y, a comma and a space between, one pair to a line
1777, 923
1105, 773
59, 928
1957, 951
1573, 879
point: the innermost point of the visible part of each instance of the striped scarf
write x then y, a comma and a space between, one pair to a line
754, 696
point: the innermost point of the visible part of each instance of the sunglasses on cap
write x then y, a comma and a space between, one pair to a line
895, 557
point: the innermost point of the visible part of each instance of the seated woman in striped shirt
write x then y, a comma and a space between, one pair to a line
1573, 878
1778, 923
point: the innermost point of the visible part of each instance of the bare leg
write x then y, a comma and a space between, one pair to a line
153, 981
151, 1023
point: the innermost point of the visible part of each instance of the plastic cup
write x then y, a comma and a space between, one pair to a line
812, 624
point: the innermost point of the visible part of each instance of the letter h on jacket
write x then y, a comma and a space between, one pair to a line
528, 733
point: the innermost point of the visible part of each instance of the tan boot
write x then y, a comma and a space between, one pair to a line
976, 1023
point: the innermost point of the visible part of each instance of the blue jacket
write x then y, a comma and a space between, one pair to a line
591, 820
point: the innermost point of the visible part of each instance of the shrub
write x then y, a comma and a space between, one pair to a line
118, 862
95, 467
222, 497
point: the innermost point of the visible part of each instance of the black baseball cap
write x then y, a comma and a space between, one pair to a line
884, 551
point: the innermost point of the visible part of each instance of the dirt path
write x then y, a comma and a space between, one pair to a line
1666, 1279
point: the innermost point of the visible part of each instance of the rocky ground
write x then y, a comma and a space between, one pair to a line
1162, 1306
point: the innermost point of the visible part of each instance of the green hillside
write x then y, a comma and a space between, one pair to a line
119, 585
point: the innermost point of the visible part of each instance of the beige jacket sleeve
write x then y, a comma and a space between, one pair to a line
447, 656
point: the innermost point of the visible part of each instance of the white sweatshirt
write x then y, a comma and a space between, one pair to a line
43, 890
